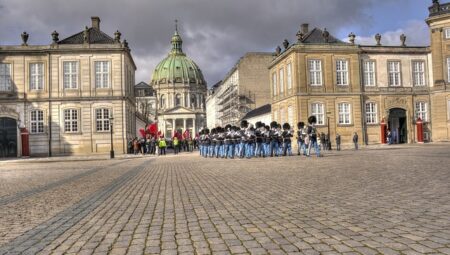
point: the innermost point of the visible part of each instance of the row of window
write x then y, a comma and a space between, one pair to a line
71, 120
342, 74
70, 73
345, 113
196, 101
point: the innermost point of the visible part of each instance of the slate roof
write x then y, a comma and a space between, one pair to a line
316, 36
95, 36
142, 85
267, 108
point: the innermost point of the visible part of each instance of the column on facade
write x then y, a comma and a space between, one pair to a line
197, 103
173, 126
189, 99
193, 127
184, 124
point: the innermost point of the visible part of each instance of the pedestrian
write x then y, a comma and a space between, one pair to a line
162, 146
136, 146
338, 142
355, 140
389, 137
175, 145
147, 144
312, 133
322, 140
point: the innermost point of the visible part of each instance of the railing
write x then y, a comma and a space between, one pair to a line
437, 9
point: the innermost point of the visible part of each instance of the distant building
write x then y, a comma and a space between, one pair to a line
262, 114
65, 93
244, 88
368, 89
145, 102
181, 92
212, 107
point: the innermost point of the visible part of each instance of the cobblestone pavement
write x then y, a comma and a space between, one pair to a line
392, 200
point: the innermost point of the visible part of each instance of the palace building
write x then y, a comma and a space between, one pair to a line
67, 97
180, 92
368, 89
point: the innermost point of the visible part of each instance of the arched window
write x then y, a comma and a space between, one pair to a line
163, 102
177, 100
193, 101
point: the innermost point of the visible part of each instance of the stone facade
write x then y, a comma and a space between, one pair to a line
244, 88
64, 93
364, 89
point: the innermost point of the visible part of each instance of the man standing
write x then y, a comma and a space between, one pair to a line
355, 140
312, 134
338, 142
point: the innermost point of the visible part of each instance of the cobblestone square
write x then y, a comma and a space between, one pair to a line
387, 200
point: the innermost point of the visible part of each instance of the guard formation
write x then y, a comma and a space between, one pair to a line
261, 140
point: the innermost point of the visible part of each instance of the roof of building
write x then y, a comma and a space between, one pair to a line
143, 85
177, 67
94, 36
267, 108
317, 36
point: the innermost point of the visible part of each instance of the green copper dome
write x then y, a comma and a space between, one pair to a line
177, 67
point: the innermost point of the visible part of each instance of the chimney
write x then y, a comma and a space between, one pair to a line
304, 28
95, 22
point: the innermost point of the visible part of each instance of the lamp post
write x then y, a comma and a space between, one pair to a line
111, 153
328, 125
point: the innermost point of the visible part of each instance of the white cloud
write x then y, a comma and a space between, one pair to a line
417, 34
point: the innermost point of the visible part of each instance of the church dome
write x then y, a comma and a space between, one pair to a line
177, 68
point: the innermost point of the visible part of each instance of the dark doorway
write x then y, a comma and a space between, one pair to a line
398, 125
8, 137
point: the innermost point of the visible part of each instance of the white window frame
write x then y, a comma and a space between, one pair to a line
318, 110
102, 116
289, 75
37, 122
394, 73
447, 33
36, 76
178, 101
344, 113
315, 72
369, 73
70, 74
371, 113
102, 74
418, 73
274, 83
281, 76
421, 110
5, 77
342, 72
71, 119
162, 102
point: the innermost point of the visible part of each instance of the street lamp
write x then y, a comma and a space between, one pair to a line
328, 125
111, 153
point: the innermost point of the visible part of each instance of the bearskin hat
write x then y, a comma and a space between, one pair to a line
234, 128
267, 127
206, 131
258, 124
312, 119
286, 126
227, 127
213, 130
273, 124
301, 125
244, 124
279, 125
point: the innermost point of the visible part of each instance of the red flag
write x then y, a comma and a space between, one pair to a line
152, 129
142, 132
186, 134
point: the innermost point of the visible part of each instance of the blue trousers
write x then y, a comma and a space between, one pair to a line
273, 148
249, 150
313, 144
259, 151
230, 151
241, 149
301, 147
287, 149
